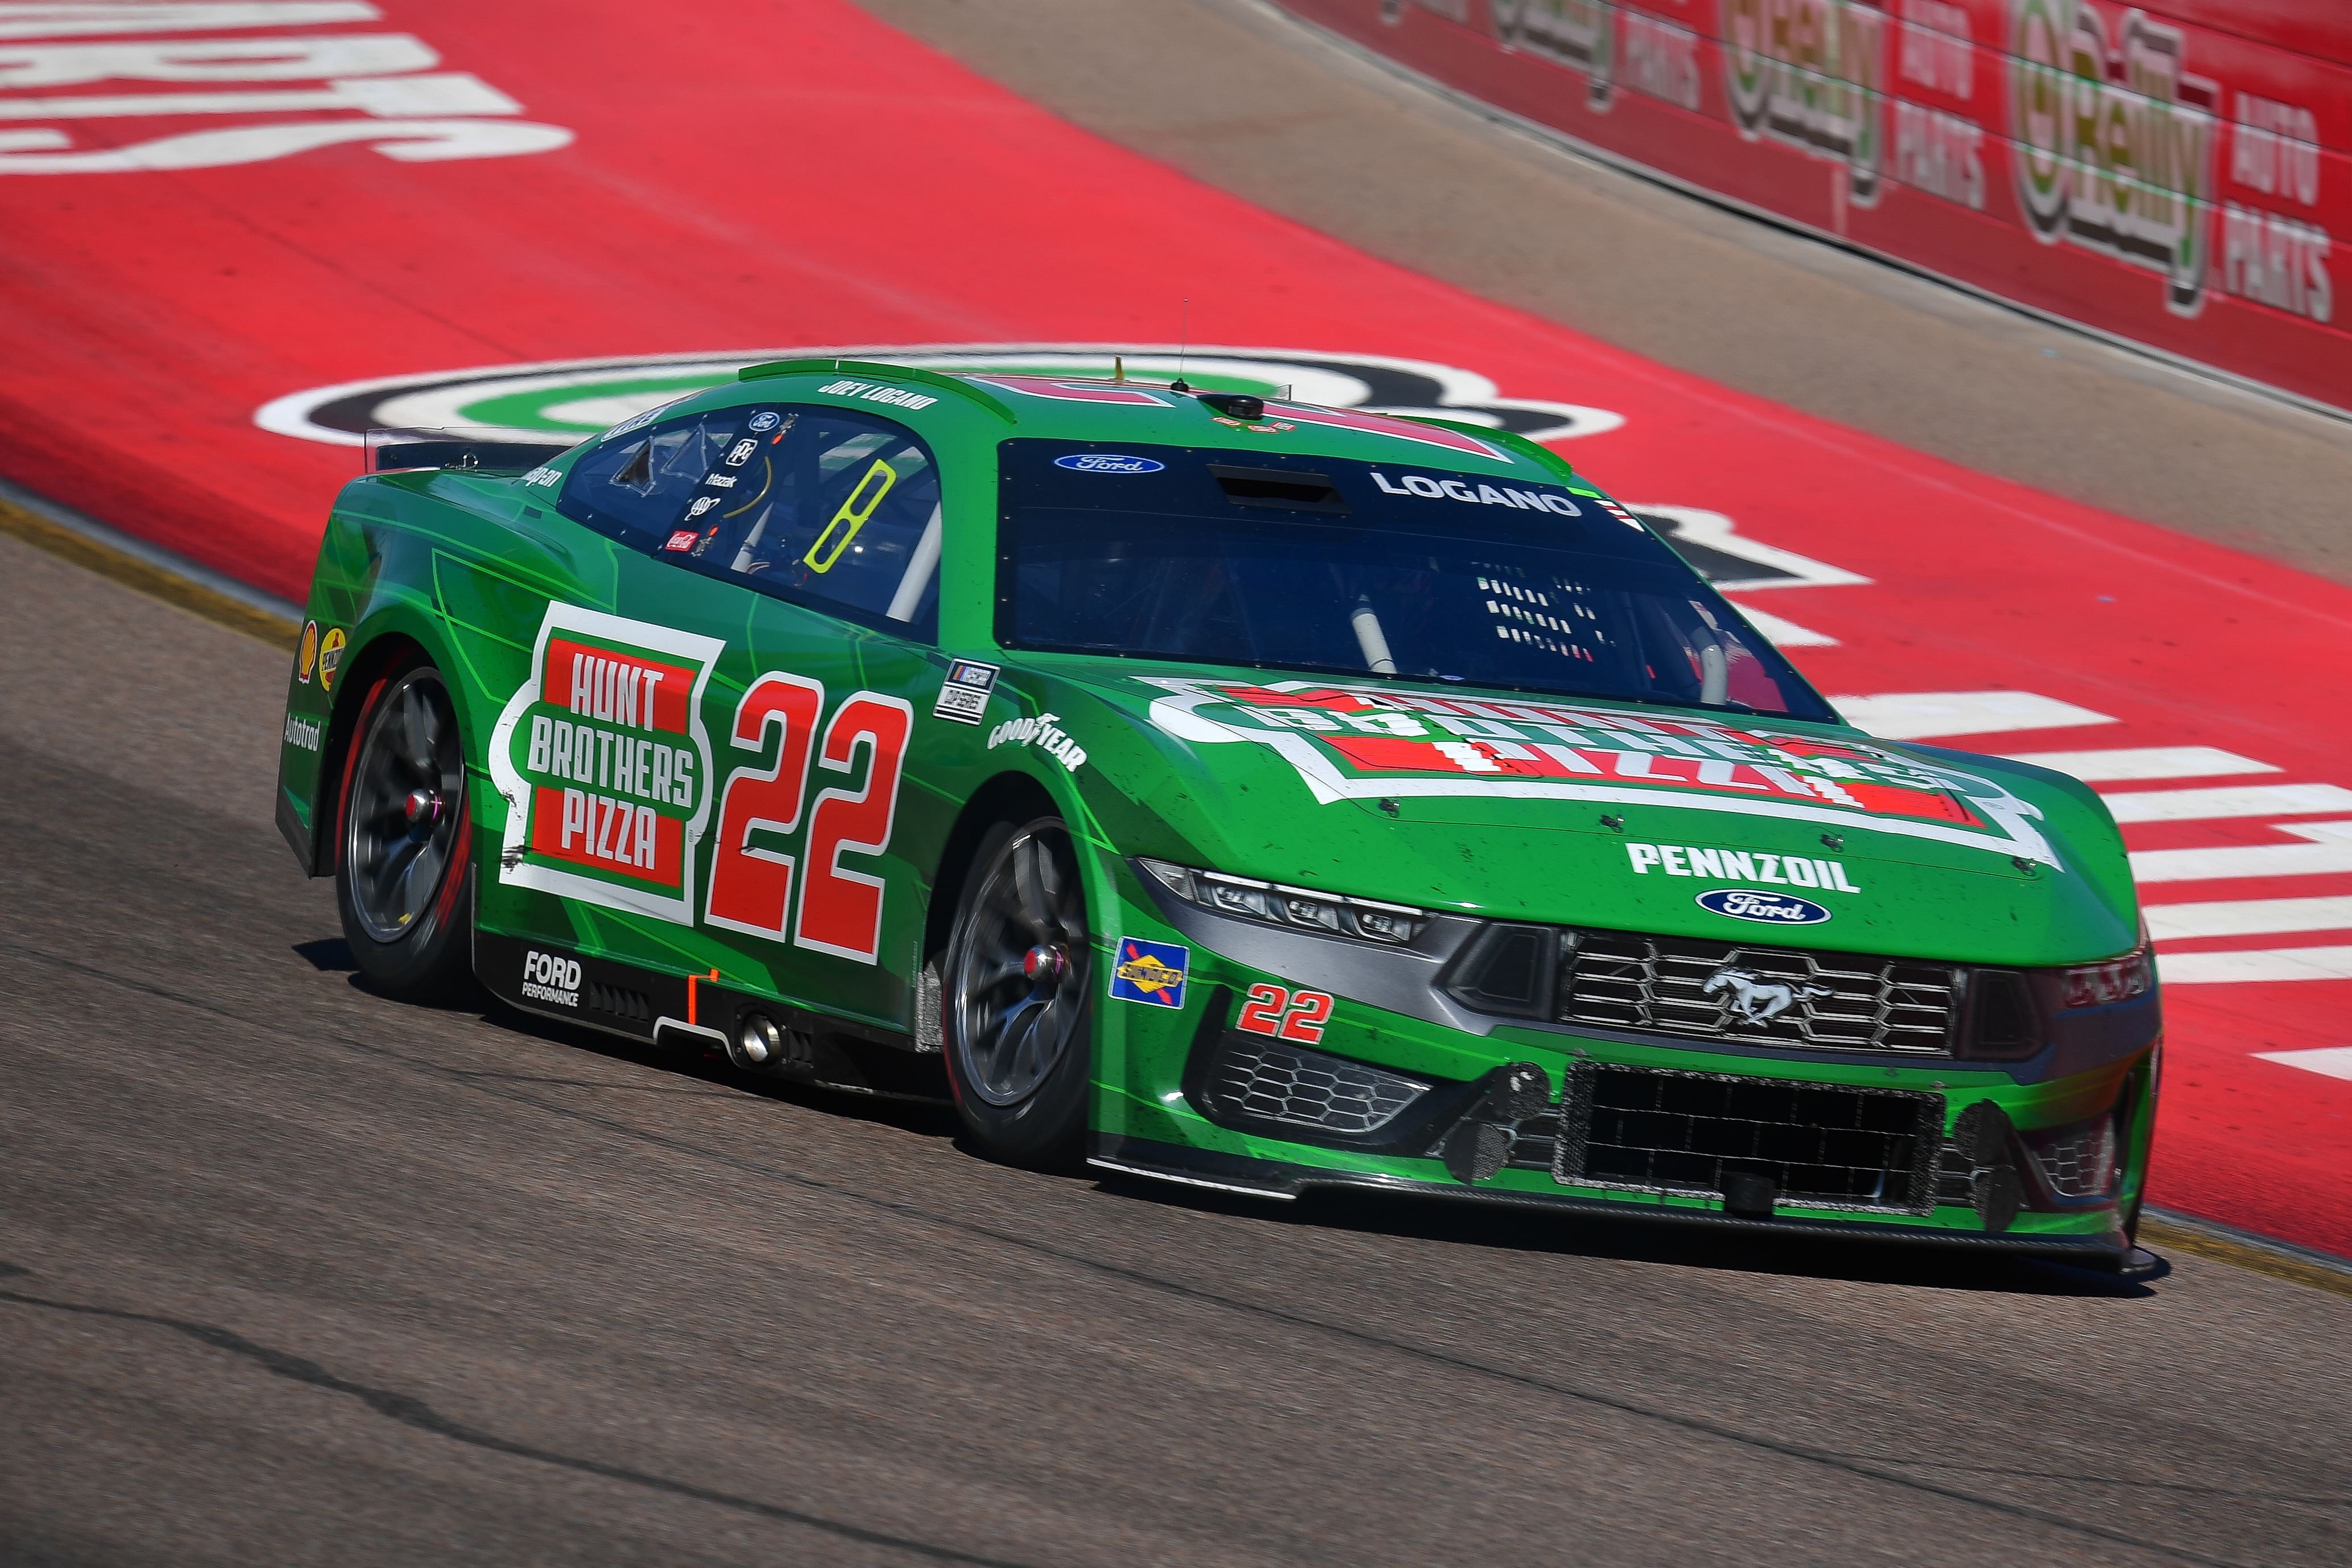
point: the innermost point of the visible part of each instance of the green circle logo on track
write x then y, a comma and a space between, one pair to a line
578, 398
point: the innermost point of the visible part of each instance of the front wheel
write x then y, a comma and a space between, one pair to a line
401, 878
1016, 1009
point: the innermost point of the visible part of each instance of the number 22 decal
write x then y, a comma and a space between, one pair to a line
840, 911
1291, 1014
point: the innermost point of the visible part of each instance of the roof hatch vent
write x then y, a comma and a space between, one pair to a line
1235, 404
1288, 488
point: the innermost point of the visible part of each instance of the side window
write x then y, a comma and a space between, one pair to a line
834, 510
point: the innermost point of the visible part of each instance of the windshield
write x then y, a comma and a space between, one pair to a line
1324, 564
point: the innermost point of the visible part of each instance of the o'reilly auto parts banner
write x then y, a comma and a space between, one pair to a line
2170, 172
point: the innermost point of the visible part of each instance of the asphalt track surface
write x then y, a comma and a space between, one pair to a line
292, 1274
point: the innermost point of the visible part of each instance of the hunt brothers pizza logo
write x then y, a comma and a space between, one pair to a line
2113, 140
1813, 74
605, 764
1371, 743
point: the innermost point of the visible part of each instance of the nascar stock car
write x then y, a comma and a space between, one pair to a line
1230, 790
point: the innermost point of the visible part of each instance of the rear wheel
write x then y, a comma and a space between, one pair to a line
1016, 1007
401, 881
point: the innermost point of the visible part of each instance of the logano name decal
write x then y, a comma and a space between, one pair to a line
605, 764
1369, 743
1429, 487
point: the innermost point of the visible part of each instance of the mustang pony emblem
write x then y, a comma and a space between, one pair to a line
1753, 1000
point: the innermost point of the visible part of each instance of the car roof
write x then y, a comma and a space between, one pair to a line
1108, 412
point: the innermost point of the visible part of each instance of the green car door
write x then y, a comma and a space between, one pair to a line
716, 770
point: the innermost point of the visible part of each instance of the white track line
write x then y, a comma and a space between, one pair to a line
1915, 715
2247, 917
2329, 851
2272, 963
2229, 800
2144, 763
2333, 1061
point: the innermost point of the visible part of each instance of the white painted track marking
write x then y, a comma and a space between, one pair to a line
2248, 917
2239, 800
2333, 1061
1916, 715
2144, 763
1784, 633
2273, 964
2329, 851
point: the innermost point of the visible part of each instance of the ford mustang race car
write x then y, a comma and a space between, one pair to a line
1225, 790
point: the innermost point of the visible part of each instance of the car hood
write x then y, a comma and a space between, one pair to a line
1514, 807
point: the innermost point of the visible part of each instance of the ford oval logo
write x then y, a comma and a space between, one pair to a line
1765, 909
1108, 463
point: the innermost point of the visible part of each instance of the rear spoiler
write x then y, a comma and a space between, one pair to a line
486, 450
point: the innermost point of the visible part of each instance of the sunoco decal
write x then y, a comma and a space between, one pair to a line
1367, 742
1152, 973
577, 399
605, 764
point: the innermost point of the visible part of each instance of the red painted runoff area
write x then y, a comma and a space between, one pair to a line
244, 203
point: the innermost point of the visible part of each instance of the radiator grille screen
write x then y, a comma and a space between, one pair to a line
1650, 1129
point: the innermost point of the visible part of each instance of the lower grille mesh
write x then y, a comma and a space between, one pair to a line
1650, 1129
2079, 1162
1307, 1088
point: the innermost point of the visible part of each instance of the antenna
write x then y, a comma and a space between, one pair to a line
1183, 345
1118, 367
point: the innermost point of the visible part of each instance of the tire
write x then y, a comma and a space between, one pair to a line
404, 842
1017, 1005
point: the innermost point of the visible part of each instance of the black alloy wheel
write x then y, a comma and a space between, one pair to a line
1017, 1009
401, 881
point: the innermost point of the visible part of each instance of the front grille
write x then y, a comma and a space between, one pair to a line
1306, 1089
1829, 1001
1650, 1129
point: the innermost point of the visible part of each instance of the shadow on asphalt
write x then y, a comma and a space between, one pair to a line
1401, 1216
1414, 1217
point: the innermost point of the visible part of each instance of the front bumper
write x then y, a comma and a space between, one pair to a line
1538, 1116
1279, 1182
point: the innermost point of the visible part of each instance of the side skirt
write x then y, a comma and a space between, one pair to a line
693, 1013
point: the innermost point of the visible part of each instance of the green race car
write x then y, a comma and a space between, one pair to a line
1239, 792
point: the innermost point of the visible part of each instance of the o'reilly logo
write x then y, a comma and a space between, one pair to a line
1739, 866
549, 977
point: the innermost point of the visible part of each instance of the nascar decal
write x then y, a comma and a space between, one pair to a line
577, 399
605, 764
1365, 742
